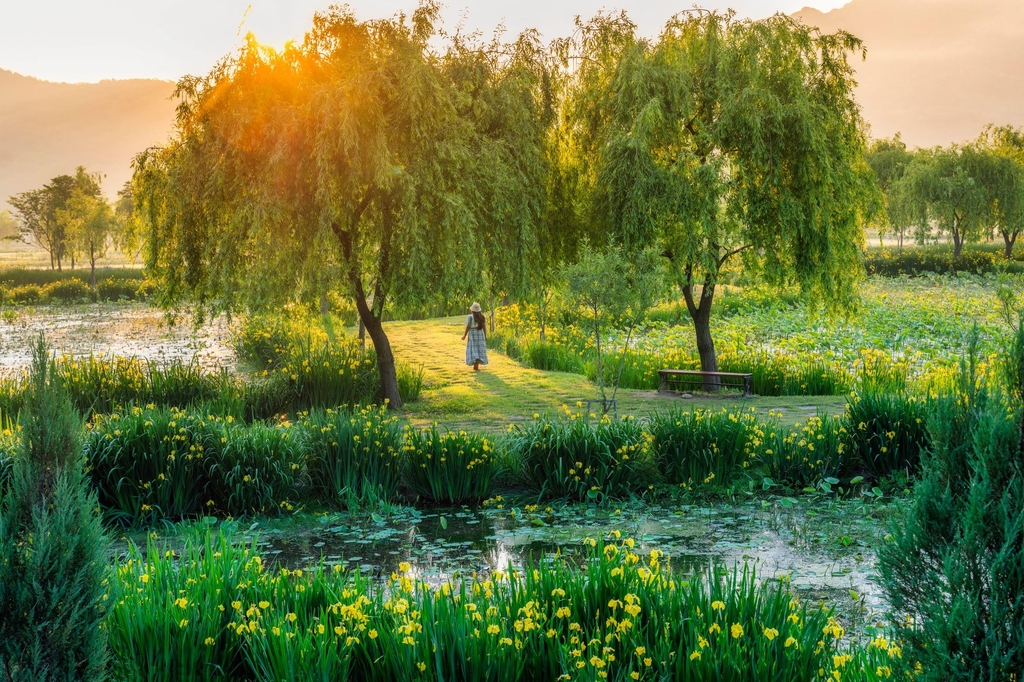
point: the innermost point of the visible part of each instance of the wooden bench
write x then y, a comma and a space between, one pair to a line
673, 380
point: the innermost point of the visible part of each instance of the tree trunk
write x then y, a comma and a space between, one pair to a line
92, 272
597, 340
492, 315
325, 306
385, 357
1008, 241
700, 313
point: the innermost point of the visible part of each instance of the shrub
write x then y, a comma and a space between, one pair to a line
355, 456
887, 431
915, 262
582, 458
26, 294
68, 291
630, 618
14, 277
703, 445
954, 572
253, 469
118, 289
451, 467
807, 454
53, 551
410, 381
552, 357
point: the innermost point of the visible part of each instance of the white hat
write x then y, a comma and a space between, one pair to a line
475, 307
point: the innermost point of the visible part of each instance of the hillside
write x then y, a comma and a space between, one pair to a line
50, 128
937, 70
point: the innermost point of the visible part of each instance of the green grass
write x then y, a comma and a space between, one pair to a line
506, 392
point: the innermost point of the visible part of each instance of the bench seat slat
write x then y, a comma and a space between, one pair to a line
696, 373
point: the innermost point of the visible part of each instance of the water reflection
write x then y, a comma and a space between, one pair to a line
827, 554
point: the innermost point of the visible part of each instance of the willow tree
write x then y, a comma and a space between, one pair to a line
725, 139
366, 154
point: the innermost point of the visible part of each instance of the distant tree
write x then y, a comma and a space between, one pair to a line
1002, 175
889, 158
129, 236
90, 225
37, 212
724, 138
596, 282
943, 187
8, 226
406, 164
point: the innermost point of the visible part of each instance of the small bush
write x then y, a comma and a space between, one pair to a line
102, 385
580, 458
355, 456
451, 467
954, 570
118, 289
887, 431
552, 357
15, 277
170, 618
53, 551
807, 454
913, 262
410, 381
703, 445
26, 294
68, 291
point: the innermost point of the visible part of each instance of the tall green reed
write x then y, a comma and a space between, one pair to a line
582, 457
622, 612
356, 455
449, 466
704, 446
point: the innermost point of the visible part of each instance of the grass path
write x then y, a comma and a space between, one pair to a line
506, 392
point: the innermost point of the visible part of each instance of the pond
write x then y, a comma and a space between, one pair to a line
825, 548
128, 329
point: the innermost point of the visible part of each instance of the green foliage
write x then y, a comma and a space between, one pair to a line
255, 469
167, 608
220, 610
167, 463
954, 572
355, 456
452, 467
667, 155
53, 551
148, 464
103, 385
442, 153
887, 431
15, 277
914, 262
807, 454
68, 291
582, 457
25, 294
704, 446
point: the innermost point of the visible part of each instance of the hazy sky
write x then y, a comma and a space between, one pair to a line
89, 40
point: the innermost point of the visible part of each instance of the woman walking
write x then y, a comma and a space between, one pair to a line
476, 330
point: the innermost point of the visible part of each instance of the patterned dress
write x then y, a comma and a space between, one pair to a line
476, 344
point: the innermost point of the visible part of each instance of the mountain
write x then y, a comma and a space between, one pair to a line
937, 71
47, 129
